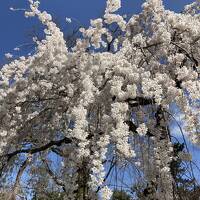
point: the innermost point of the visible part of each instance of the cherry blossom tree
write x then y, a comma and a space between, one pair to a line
98, 107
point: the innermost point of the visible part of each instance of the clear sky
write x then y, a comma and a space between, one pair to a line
15, 27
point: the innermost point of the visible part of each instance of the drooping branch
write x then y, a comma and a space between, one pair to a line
112, 164
53, 176
18, 177
191, 57
140, 101
38, 149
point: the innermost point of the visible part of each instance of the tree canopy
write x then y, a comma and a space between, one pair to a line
103, 106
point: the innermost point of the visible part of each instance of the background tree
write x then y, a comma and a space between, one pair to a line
120, 195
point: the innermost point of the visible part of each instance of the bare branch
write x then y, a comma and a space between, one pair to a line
38, 149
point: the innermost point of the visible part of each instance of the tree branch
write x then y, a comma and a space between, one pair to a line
18, 177
38, 149
142, 101
53, 176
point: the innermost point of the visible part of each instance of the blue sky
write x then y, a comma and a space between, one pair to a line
15, 27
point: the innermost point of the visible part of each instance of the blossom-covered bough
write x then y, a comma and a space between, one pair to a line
92, 107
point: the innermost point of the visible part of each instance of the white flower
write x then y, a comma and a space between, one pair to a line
113, 5
142, 129
165, 169
68, 20
18, 109
62, 164
111, 18
138, 164
3, 133
106, 193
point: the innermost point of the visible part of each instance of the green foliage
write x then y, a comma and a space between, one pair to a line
120, 195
